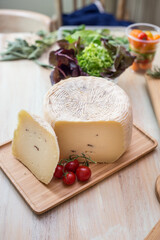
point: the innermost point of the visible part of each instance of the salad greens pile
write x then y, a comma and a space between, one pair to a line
90, 52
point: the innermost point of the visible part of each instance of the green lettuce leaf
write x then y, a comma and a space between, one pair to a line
87, 36
94, 59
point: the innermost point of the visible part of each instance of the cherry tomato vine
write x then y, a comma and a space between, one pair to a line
69, 169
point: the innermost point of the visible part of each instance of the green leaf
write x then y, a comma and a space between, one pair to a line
87, 36
155, 73
36, 53
21, 49
9, 57
43, 64
103, 32
41, 33
67, 32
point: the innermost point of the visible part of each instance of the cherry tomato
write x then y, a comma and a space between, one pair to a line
142, 36
150, 46
83, 173
135, 44
69, 178
149, 34
59, 171
145, 66
135, 32
150, 39
72, 166
156, 37
135, 66
145, 61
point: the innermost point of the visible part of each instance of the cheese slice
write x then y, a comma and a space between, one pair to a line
35, 145
90, 115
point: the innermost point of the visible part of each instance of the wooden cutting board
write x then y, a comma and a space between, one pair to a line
155, 233
157, 188
42, 198
154, 92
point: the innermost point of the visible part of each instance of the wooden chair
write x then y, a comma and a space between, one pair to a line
120, 8
25, 21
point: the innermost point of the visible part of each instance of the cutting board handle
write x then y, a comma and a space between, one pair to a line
154, 233
157, 188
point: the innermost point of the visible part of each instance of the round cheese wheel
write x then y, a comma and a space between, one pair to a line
90, 115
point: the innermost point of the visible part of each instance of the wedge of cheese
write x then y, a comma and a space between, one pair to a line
90, 115
35, 145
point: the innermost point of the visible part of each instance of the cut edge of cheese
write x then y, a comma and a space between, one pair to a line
35, 145
102, 141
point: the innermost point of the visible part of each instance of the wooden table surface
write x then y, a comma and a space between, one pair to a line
122, 207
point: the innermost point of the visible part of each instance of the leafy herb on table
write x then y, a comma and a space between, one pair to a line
155, 73
21, 49
43, 64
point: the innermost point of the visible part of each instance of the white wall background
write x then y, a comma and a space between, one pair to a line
138, 10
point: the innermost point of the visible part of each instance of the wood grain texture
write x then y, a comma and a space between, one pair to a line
155, 233
42, 198
121, 207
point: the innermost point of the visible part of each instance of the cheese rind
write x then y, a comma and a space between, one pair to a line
35, 145
90, 115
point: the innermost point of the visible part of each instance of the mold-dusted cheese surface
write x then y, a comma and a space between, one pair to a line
90, 115
35, 145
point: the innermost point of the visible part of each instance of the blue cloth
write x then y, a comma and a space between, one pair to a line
90, 15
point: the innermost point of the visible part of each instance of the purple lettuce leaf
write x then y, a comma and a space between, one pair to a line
77, 45
122, 60
65, 65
